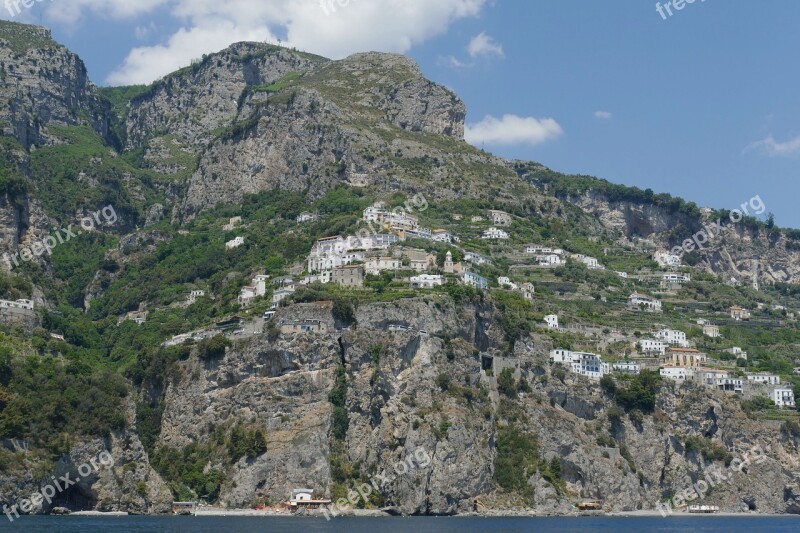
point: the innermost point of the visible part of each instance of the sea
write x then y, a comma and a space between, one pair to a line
190, 524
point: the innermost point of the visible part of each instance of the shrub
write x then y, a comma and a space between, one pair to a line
640, 393
608, 384
213, 348
506, 384
517, 459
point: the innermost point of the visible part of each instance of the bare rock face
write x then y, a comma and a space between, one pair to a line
193, 103
423, 419
42, 84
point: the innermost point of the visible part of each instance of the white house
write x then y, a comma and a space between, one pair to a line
766, 379
527, 290
246, 295
730, 383
590, 262
504, 281
194, 295
673, 337
640, 301
475, 258
652, 346
302, 495
305, 216
783, 397
376, 265
551, 321
377, 212
256, 289
739, 313
550, 260
494, 234
235, 243
676, 278
666, 259
474, 280
539, 249
281, 294
426, 281
23, 305
737, 352
561, 356
626, 367
587, 364
441, 235
623, 275
675, 372
710, 330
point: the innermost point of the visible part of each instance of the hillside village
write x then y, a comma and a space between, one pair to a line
393, 246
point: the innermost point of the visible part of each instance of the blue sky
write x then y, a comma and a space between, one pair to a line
702, 105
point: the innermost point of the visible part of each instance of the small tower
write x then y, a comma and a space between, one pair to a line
448, 263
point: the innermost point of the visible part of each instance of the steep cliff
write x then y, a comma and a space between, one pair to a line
41, 84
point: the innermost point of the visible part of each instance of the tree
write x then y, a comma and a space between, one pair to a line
506, 384
213, 348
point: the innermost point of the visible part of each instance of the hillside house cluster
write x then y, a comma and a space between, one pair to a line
591, 365
739, 313
256, 289
728, 381
667, 259
525, 289
495, 234
397, 221
545, 255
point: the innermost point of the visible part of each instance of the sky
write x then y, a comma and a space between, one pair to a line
694, 99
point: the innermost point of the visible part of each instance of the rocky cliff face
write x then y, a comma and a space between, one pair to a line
41, 84
733, 249
407, 392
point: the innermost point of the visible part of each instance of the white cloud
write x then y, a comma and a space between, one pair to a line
512, 129
769, 146
483, 45
143, 32
332, 28
451, 61
74, 10
603, 115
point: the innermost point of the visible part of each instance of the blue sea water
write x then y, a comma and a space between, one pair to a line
180, 524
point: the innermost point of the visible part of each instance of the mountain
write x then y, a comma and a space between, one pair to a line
177, 208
